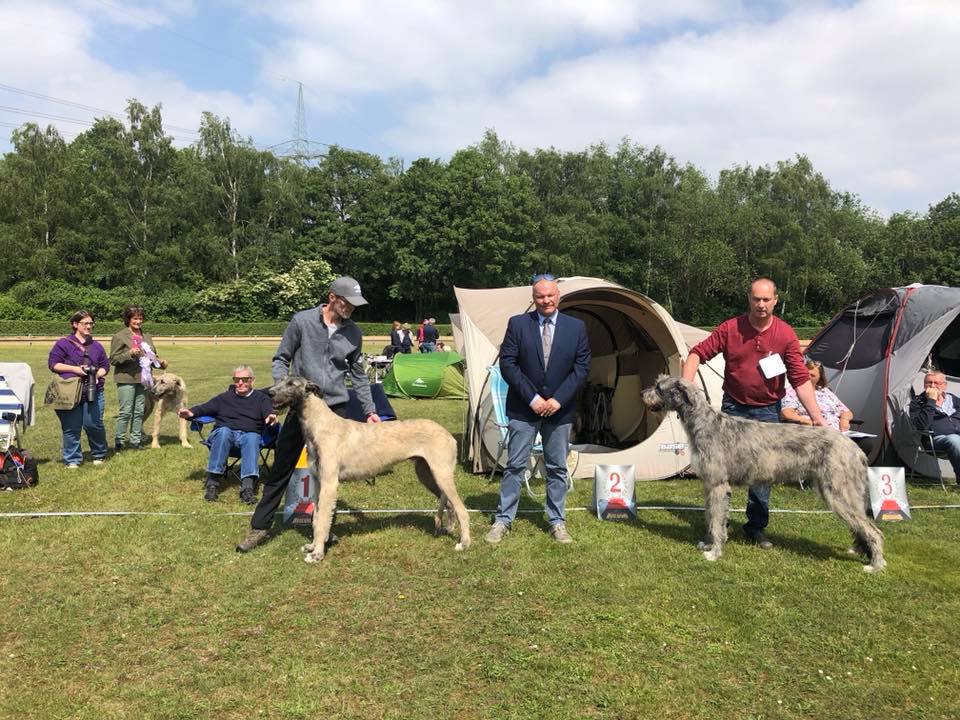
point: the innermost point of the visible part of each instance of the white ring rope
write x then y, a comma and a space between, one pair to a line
412, 511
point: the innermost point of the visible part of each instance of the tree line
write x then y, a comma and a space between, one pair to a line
222, 230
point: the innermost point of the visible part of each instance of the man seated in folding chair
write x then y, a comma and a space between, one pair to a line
936, 413
240, 415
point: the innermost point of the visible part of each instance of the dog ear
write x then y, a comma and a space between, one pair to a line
687, 389
313, 388
181, 384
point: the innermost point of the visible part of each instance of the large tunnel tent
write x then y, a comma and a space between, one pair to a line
632, 340
875, 352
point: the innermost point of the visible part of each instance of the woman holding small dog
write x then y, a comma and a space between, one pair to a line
79, 355
133, 355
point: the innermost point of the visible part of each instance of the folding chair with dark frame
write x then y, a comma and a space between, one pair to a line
268, 442
925, 445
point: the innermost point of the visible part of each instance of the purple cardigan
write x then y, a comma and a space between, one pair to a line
69, 351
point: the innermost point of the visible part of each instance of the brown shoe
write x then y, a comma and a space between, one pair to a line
253, 538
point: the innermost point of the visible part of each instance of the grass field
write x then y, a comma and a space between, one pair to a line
156, 616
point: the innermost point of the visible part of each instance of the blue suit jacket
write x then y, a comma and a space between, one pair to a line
521, 363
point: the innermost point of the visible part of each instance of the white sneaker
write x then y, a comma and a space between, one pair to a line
98, 461
73, 466
496, 533
560, 534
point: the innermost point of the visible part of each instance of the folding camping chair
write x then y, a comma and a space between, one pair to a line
377, 366
925, 445
498, 398
268, 443
17, 468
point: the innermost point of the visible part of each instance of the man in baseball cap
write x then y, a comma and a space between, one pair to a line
323, 345
349, 289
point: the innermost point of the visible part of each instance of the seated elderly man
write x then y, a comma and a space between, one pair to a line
240, 414
938, 411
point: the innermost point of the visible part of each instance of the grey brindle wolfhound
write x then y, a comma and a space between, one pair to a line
729, 451
346, 450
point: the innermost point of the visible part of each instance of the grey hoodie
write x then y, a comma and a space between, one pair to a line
307, 350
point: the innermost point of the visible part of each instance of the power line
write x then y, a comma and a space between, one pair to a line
80, 106
63, 118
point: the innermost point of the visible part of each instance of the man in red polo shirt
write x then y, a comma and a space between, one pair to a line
760, 351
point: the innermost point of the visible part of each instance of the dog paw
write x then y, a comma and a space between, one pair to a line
308, 548
313, 557
875, 567
711, 554
703, 546
186, 445
461, 546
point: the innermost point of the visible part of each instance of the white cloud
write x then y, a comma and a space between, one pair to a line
865, 89
368, 46
867, 92
57, 39
138, 15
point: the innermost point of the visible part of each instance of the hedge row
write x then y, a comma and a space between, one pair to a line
107, 328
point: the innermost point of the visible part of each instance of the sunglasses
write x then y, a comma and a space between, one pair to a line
243, 379
543, 276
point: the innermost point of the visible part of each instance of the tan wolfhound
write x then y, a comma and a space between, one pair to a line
169, 394
346, 450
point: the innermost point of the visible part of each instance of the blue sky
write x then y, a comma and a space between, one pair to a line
866, 88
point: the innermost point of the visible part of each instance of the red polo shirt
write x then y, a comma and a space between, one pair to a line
743, 347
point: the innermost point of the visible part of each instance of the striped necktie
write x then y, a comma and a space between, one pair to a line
547, 337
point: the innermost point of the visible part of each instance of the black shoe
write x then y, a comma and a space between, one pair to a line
247, 496
210, 493
118, 447
332, 540
760, 540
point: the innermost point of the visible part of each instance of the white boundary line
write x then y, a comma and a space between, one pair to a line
408, 511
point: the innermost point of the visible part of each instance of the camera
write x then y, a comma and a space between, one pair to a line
91, 382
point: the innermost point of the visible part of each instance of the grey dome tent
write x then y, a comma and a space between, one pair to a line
632, 340
875, 351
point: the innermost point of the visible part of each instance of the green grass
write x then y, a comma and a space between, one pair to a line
151, 616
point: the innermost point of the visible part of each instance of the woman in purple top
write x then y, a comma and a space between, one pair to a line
72, 356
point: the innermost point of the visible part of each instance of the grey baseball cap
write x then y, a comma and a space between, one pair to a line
349, 289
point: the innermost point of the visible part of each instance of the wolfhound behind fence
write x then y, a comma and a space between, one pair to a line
728, 451
345, 450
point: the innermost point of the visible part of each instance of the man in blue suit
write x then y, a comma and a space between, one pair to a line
544, 358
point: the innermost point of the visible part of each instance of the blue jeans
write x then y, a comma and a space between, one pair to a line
556, 443
758, 496
223, 440
428, 347
949, 444
89, 417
